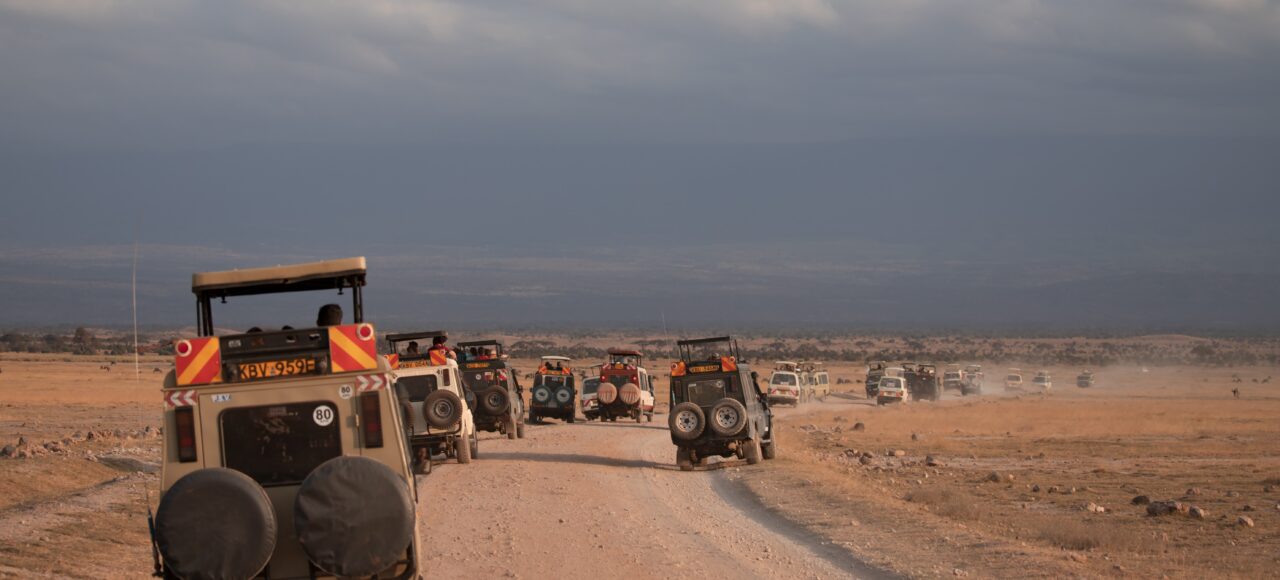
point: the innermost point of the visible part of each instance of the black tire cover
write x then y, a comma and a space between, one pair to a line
354, 516
215, 523
495, 401
433, 404
677, 412
734, 429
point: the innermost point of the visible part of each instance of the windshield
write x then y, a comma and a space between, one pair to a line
481, 380
783, 379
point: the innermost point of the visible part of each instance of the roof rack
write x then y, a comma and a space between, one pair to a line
402, 336
490, 342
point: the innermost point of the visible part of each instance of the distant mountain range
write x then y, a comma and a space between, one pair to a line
693, 288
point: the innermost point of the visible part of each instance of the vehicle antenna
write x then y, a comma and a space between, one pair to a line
137, 366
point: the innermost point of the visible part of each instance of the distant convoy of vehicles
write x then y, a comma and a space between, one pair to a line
291, 453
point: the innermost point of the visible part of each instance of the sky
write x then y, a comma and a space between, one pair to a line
869, 163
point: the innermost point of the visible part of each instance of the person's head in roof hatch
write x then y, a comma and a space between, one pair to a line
329, 315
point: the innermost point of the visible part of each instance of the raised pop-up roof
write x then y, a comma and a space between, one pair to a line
326, 275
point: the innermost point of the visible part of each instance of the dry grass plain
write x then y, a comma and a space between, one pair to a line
1170, 434
1161, 433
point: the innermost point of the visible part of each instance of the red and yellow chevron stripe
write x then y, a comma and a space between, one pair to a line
393, 360
198, 361
352, 348
438, 357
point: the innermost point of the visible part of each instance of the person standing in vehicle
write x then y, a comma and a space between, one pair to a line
439, 344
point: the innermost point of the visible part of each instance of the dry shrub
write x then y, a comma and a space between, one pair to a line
1077, 535
1271, 481
948, 502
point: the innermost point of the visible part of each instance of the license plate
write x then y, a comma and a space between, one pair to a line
479, 365
277, 368
408, 364
704, 369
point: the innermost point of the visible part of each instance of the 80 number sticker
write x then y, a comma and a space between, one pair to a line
323, 415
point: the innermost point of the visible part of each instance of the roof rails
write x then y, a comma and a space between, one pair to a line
490, 342
555, 357
624, 352
403, 336
703, 340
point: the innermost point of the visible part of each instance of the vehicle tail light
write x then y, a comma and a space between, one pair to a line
371, 418
185, 429
352, 348
678, 369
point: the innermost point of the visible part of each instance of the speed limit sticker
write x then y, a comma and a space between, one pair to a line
323, 415
345, 391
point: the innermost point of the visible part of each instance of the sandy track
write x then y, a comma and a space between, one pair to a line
591, 499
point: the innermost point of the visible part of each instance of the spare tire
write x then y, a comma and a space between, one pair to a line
215, 523
563, 396
686, 421
354, 516
442, 409
728, 417
494, 400
542, 394
607, 393
629, 393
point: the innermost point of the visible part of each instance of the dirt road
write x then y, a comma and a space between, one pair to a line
593, 499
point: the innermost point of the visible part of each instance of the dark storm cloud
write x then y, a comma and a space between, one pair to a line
801, 155
162, 73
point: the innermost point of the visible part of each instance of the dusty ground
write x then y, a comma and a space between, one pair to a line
589, 499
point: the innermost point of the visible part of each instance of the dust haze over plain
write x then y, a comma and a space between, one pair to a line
1077, 164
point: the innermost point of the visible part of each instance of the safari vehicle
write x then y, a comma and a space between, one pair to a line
1042, 380
875, 370
717, 408
266, 433
784, 384
1085, 379
554, 390
1013, 380
953, 378
590, 386
973, 379
625, 389
495, 386
432, 398
892, 390
922, 382
821, 382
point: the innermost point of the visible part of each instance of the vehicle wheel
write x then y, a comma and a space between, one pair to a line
534, 418
649, 417
353, 515
570, 418
475, 445
495, 401
727, 418
462, 449
607, 393
687, 421
769, 450
442, 409
683, 461
752, 451
639, 417
511, 428
218, 522
520, 429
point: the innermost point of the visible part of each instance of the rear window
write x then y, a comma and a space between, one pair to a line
417, 388
950, 376
705, 392
783, 379
1013, 378
553, 382
477, 380
590, 386
280, 444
